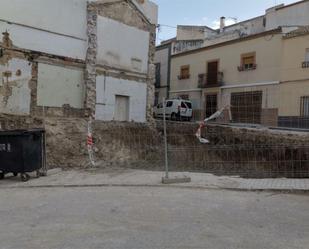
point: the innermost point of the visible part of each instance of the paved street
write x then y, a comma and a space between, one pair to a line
151, 218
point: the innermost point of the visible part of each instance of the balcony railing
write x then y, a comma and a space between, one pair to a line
184, 77
247, 68
205, 81
305, 64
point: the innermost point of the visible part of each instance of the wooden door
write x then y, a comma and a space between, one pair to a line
212, 73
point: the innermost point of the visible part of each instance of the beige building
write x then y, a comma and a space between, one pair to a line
235, 71
262, 77
294, 79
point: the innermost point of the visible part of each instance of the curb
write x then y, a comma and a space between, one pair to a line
284, 191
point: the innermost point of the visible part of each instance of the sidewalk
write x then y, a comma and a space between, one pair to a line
123, 177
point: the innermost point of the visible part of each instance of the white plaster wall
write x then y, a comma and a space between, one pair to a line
58, 86
190, 33
249, 27
61, 16
36, 40
15, 87
122, 46
293, 15
236, 31
108, 87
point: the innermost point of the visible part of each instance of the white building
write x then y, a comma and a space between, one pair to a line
77, 58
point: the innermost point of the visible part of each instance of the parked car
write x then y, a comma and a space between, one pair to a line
176, 109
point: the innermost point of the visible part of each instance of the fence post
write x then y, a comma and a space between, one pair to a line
165, 139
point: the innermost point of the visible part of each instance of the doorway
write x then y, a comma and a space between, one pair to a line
211, 104
212, 73
122, 108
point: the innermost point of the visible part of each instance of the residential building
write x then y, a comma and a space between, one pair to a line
286, 16
209, 76
294, 81
260, 76
70, 59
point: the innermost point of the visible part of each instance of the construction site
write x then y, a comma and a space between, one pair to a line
106, 160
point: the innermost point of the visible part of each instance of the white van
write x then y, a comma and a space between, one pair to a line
176, 109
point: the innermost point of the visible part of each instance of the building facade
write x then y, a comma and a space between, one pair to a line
69, 59
211, 76
261, 77
294, 80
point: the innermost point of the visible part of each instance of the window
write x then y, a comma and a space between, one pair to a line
306, 62
186, 104
247, 62
304, 106
184, 72
189, 105
169, 104
247, 107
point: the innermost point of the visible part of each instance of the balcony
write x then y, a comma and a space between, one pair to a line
183, 77
209, 81
247, 67
305, 64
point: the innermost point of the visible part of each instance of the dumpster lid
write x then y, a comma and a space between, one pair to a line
21, 131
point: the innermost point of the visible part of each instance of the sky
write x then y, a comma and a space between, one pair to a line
207, 12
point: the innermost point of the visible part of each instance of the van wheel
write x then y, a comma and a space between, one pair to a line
174, 117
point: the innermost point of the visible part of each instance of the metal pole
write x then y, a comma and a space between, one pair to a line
44, 141
165, 139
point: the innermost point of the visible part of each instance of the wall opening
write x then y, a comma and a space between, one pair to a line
122, 108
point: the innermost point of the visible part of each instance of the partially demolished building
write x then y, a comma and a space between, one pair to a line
77, 58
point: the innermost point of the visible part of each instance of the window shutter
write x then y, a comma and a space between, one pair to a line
248, 60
